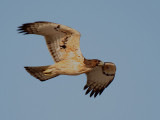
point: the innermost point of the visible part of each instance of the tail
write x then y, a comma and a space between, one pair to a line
38, 72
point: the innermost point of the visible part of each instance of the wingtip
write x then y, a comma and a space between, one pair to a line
23, 28
87, 92
85, 87
92, 93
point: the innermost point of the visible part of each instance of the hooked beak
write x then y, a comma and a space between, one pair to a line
101, 63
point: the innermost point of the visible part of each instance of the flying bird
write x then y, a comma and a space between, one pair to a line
64, 46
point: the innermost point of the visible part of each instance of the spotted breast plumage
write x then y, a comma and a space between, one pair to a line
64, 47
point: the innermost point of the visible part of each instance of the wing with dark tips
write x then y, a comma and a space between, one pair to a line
99, 78
62, 41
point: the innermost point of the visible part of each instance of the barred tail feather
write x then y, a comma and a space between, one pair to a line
37, 72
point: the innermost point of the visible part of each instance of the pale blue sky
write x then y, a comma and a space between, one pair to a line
126, 32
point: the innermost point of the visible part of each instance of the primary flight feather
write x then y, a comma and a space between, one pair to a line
64, 47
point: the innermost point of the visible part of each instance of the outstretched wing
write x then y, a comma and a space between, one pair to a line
99, 78
62, 41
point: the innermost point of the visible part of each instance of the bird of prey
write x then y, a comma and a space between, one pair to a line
64, 47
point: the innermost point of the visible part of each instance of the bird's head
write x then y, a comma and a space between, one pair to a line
92, 63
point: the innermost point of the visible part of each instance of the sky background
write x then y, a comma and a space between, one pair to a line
126, 32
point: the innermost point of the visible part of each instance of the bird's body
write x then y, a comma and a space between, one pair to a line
63, 44
69, 67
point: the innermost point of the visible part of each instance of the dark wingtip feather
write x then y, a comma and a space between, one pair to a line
85, 87
96, 93
88, 90
92, 93
23, 28
101, 91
